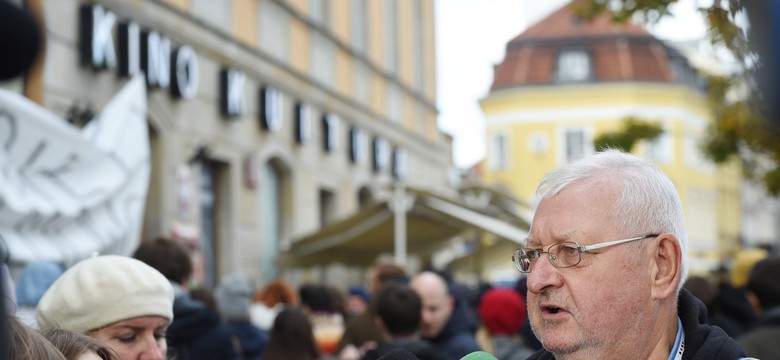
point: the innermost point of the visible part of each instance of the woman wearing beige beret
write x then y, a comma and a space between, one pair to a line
119, 300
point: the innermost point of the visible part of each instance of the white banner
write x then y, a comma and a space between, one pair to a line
66, 193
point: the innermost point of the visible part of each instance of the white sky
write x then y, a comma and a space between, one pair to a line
471, 37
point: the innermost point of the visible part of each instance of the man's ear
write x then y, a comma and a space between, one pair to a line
666, 266
380, 325
754, 302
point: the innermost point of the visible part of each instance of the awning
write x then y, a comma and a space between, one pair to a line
431, 221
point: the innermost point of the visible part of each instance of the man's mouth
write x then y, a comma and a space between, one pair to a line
552, 309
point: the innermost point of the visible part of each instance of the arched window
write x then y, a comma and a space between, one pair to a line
573, 65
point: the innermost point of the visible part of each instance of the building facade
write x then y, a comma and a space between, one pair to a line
564, 81
268, 119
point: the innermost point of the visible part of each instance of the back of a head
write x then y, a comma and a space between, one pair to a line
103, 290
278, 291
764, 284
35, 279
292, 337
701, 288
316, 298
234, 295
73, 345
206, 296
399, 307
649, 202
27, 344
167, 256
387, 272
502, 311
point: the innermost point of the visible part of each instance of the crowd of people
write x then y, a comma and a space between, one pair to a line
580, 294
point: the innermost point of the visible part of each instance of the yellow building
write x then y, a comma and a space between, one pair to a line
564, 81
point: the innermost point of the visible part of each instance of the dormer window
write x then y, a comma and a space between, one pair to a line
573, 66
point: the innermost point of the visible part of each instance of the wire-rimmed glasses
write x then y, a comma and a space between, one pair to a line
563, 254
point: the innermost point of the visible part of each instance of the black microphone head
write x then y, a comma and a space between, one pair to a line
20, 40
399, 354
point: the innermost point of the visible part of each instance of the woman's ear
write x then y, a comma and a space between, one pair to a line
666, 260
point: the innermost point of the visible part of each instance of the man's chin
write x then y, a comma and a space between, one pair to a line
558, 340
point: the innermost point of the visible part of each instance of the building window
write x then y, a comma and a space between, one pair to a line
319, 11
573, 65
323, 66
213, 12
660, 149
327, 207
362, 83
393, 102
576, 144
274, 30
271, 218
499, 152
418, 41
209, 220
365, 197
391, 35
359, 22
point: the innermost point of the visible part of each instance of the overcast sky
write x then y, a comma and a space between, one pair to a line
471, 37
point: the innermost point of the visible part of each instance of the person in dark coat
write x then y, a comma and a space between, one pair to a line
398, 311
361, 332
196, 331
763, 340
449, 330
234, 296
606, 258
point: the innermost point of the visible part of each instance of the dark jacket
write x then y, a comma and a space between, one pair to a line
248, 340
421, 349
702, 341
197, 333
763, 341
456, 339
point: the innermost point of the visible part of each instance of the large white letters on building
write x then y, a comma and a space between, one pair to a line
66, 193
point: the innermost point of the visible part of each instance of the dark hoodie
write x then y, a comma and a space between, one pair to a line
196, 333
248, 339
702, 341
456, 339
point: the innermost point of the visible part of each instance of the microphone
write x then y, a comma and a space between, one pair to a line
399, 354
19, 40
479, 355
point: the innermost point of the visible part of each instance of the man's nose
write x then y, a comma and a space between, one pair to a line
543, 275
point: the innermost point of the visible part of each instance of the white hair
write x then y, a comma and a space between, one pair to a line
648, 204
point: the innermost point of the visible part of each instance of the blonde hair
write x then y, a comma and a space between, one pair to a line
73, 344
27, 344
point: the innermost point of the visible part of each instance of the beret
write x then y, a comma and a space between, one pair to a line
102, 290
502, 311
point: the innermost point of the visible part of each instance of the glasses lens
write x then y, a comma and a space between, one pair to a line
521, 261
565, 254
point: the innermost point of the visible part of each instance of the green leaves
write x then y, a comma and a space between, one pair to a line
739, 129
633, 130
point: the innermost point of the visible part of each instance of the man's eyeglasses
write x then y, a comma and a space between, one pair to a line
563, 254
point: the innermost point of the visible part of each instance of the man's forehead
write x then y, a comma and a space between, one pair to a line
553, 237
